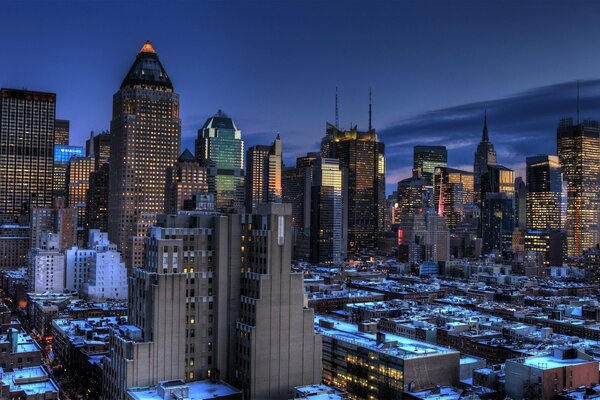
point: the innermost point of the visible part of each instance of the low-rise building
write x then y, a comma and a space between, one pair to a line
31, 383
382, 366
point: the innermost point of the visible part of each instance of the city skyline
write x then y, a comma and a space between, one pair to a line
412, 92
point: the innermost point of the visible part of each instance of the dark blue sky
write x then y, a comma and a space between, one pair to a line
274, 66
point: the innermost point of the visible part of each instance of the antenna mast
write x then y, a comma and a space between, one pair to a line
370, 109
577, 102
337, 114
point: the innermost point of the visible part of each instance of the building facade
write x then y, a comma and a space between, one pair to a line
186, 178
363, 157
220, 148
145, 139
484, 155
26, 150
578, 148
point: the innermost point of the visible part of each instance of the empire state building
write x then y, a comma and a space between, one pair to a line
146, 134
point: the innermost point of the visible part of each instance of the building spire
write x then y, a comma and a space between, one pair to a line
370, 109
485, 137
337, 115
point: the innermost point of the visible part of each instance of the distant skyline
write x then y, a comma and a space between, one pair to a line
273, 66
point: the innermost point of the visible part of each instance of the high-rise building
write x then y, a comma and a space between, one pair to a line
545, 190
220, 148
579, 154
62, 156
263, 174
453, 189
186, 178
426, 159
96, 271
61, 132
271, 311
60, 220
296, 190
217, 313
412, 195
46, 266
96, 210
328, 228
363, 157
98, 147
26, 150
423, 236
497, 194
78, 184
145, 139
484, 156
520, 203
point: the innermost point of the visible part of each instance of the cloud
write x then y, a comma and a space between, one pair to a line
520, 125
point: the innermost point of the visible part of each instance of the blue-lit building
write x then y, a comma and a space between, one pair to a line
220, 148
62, 156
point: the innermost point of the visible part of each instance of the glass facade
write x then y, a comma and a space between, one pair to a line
579, 155
220, 147
64, 153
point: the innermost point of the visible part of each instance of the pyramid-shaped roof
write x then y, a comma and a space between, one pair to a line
147, 70
186, 156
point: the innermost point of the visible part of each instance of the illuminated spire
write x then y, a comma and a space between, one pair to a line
147, 48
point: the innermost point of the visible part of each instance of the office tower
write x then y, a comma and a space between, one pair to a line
426, 159
484, 156
26, 124
544, 197
46, 266
263, 174
78, 183
277, 348
579, 154
96, 210
363, 157
145, 138
327, 227
296, 190
14, 245
98, 147
60, 220
497, 220
218, 312
412, 196
497, 194
62, 156
423, 236
220, 148
520, 203
96, 272
61, 132
453, 189
186, 178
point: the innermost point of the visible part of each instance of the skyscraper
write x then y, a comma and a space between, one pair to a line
497, 194
328, 214
276, 348
484, 156
26, 150
78, 184
98, 146
296, 190
61, 132
62, 156
579, 154
263, 174
363, 157
220, 148
217, 314
426, 159
185, 179
544, 196
453, 189
146, 133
